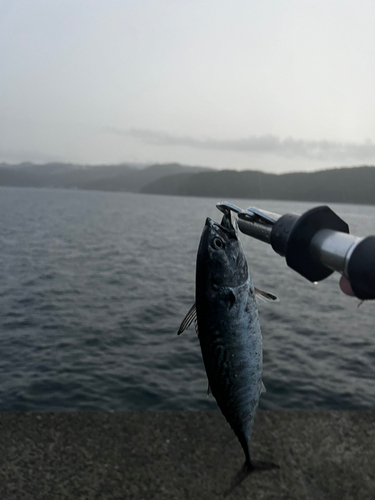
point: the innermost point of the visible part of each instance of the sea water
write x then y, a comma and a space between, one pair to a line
94, 285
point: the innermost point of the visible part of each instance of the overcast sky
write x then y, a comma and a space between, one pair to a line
276, 85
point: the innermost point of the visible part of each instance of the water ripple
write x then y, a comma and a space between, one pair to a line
91, 300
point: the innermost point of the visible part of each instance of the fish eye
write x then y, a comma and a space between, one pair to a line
217, 243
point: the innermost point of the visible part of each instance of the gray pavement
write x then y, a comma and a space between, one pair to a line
185, 455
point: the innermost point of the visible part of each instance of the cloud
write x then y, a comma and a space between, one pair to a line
265, 144
18, 156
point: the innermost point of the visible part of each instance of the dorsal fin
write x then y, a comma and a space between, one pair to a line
265, 296
189, 318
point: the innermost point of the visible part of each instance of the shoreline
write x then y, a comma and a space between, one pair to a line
189, 455
315, 201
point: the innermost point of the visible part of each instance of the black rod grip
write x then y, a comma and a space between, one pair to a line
291, 237
361, 269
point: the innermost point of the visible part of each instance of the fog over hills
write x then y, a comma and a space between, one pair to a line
341, 185
124, 177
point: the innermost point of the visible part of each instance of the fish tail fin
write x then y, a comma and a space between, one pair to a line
247, 469
238, 479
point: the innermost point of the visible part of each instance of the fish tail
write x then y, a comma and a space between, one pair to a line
238, 479
248, 468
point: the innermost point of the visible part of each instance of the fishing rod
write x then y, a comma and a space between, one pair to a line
314, 244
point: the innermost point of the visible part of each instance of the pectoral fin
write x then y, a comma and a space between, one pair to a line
262, 387
265, 296
189, 318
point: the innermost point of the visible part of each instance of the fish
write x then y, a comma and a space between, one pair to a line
226, 319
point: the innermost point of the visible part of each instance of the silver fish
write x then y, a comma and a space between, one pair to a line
226, 318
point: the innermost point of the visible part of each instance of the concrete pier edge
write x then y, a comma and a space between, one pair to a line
185, 455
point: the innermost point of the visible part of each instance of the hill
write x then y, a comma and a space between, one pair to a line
341, 185
123, 177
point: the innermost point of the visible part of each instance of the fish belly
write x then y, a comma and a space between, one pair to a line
231, 345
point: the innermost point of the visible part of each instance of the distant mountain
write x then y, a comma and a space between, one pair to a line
175, 185
16, 177
341, 185
103, 177
135, 180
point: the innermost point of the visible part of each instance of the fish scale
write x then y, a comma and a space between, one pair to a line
235, 372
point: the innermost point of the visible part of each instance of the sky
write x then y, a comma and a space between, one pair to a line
278, 86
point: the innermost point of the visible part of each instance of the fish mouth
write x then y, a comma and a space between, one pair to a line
229, 228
